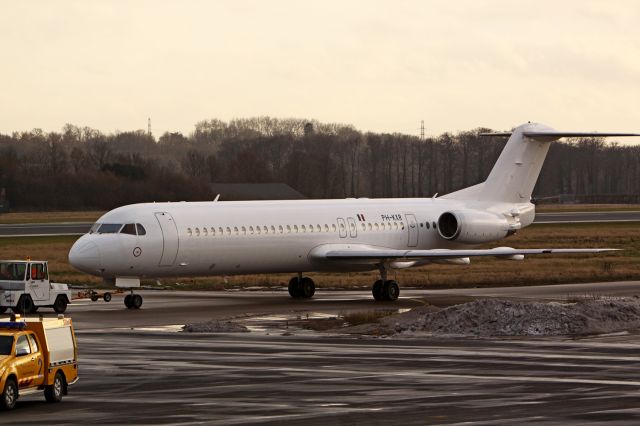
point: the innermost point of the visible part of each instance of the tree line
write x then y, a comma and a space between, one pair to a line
83, 168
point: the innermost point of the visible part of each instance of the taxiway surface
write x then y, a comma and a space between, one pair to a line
135, 370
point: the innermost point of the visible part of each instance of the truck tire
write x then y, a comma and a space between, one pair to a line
54, 392
94, 297
9, 394
107, 297
24, 306
60, 305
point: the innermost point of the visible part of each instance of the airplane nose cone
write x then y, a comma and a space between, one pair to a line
85, 256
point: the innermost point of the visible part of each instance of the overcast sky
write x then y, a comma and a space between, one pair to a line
380, 65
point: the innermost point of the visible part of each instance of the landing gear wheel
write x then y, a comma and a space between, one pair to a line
390, 290
24, 306
376, 290
60, 305
306, 288
54, 392
136, 301
293, 287
9, 395
107, 297
127, 301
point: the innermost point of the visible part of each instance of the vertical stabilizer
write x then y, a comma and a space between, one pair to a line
516, 172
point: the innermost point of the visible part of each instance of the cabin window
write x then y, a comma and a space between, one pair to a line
326, 228
402, 225
273, 229
189, 232
428, 226
197, 232
213, 231
265, 229
377, 227
333, 227
251, 230
280, 229
244, 231
370, 226
109, 228
204, 232
258, 230
288, 229
434, 225
310, 228
295, 228
141, 230
303, 228
129, 228
235, 230
318, 228
363, 226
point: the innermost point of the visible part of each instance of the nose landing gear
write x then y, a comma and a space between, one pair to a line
133, 301
301, 287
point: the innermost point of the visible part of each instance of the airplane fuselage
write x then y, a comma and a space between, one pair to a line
226, 238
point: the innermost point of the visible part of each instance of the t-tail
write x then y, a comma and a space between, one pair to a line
516, 172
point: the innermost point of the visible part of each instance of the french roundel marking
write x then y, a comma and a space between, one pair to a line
137, 251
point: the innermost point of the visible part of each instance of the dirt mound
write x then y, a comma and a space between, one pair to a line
215, 327
496, 317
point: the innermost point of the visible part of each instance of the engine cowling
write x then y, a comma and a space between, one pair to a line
472, 226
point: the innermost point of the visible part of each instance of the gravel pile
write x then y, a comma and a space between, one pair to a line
496, 317
215, 327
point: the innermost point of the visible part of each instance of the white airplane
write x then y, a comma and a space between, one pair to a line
153, 240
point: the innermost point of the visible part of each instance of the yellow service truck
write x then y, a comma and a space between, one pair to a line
37, 355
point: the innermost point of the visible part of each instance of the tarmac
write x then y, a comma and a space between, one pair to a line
136, 368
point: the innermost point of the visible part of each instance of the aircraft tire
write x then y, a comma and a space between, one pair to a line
390, 291
376, 290
127, 301
136, 301
306, 288
294, 287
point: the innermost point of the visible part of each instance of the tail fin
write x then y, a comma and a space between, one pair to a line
516, 172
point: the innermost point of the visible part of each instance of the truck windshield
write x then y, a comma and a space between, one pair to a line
5, 345
12, 271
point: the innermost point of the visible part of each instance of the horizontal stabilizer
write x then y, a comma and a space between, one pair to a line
554, 135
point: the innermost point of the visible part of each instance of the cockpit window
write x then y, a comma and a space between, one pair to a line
129, 228
94, 228
109, 228
141, 230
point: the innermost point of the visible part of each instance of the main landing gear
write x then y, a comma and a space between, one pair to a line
133, 301
385, 289
301, 287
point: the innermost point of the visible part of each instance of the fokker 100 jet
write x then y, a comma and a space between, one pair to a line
153, 240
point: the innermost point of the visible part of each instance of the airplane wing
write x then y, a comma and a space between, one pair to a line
448, 254
384, 254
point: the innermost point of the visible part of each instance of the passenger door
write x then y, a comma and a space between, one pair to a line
342, 227
170, 242
353, 228
413, 230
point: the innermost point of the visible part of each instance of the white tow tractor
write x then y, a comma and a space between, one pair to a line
25, 287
